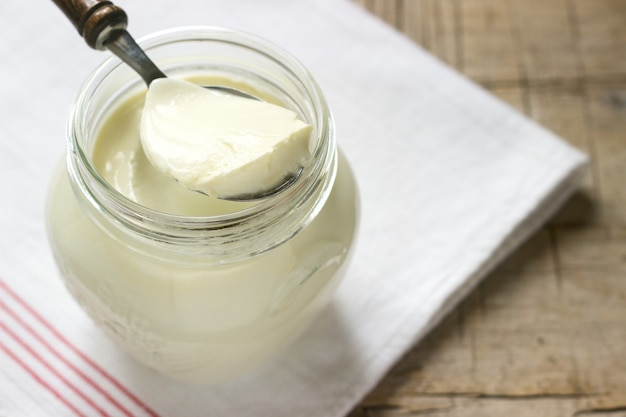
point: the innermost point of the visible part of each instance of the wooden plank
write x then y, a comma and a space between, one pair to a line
489, 49
592, 249
607, 107
546, 47
601, 35
435, 25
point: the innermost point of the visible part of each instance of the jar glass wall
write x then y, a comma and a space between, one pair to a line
203, 298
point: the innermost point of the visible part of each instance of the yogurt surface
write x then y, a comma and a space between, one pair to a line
220, 144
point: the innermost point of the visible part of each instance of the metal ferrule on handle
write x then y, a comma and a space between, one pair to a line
95, 20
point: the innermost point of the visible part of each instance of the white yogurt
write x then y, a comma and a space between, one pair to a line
220, 144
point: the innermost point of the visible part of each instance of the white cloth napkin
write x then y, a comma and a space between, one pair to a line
451, 181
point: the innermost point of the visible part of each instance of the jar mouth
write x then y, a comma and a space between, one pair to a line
192, 49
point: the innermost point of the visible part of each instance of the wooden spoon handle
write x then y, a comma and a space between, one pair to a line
94, 19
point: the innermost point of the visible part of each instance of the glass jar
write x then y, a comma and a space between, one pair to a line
203, 299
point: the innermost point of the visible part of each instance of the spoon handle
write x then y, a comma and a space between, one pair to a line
94, 19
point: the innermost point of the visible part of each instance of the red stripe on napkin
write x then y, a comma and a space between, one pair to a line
77, 362
50, 368
63, 359
40, 380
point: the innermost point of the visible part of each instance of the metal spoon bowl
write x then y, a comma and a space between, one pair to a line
103, 26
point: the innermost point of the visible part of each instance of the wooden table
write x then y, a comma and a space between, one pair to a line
545, 335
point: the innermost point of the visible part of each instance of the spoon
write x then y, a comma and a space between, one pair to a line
102, 25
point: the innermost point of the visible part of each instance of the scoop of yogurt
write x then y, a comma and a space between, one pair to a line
219, 144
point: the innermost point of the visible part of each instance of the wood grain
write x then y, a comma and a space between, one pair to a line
545, 334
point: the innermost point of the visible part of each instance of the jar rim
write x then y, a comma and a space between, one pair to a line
146, 221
